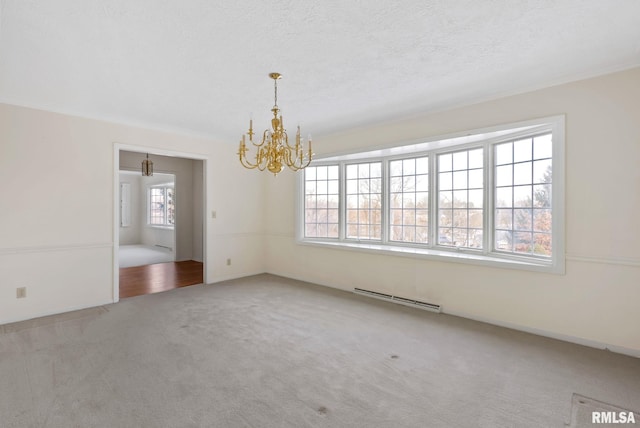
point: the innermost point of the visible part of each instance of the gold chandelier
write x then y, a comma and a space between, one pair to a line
274, 151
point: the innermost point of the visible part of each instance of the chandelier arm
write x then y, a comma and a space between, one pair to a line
258, 144
245, 163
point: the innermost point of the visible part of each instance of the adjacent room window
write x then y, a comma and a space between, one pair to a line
161, 208
491, 197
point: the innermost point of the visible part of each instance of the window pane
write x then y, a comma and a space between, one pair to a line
444, 162
504, 175
460, 180
454, 206
408, 167
321, 172
364, 200
476, 198
395, 168
476, 159
445, 236
542, 147
321, 201
445, 181
422, 165
504, 219
542, 171
522, 150
522, 196
542, 220
476, 179
527, 228
542, 195
413, 192
504, 240
422, 183
542, 244
375, 170
504, 197
460, 161
504, 153
460, 199
522, 173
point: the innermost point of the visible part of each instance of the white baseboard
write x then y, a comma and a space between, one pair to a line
552, 335
55, 312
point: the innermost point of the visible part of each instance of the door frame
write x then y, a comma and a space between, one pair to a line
117, 148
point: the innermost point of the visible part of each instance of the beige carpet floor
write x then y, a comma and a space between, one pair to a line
270, 352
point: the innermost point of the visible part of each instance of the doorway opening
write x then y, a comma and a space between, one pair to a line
159, 240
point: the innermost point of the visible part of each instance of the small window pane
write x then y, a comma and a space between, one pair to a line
445, 181
395, 168
460, 180
504, 175
542, 147
459, 161
460, 198
422, 165
444, 162
321, 173
408, 167
504, 197
522, 196
476, 158
504, 154
504, 219
476, 198
476, 179
522, 173
542, 171
522, 150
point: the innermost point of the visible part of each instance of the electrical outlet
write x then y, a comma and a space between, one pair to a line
214, 214
21, 292
228, 262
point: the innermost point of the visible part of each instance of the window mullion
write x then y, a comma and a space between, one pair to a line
342, 192
433, 200
384, 233
488, 205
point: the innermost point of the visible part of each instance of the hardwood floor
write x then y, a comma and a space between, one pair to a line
138, 280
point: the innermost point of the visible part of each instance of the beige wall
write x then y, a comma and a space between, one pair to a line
595, 302
57, 204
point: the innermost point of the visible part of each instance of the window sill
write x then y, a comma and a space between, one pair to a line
467, 257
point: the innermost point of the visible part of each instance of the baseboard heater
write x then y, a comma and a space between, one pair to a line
399, 300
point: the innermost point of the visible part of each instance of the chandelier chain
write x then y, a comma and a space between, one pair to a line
275, 92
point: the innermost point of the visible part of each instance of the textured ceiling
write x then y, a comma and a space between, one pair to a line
201, 65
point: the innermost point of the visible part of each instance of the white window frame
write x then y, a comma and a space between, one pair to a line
165, 225
486, 138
